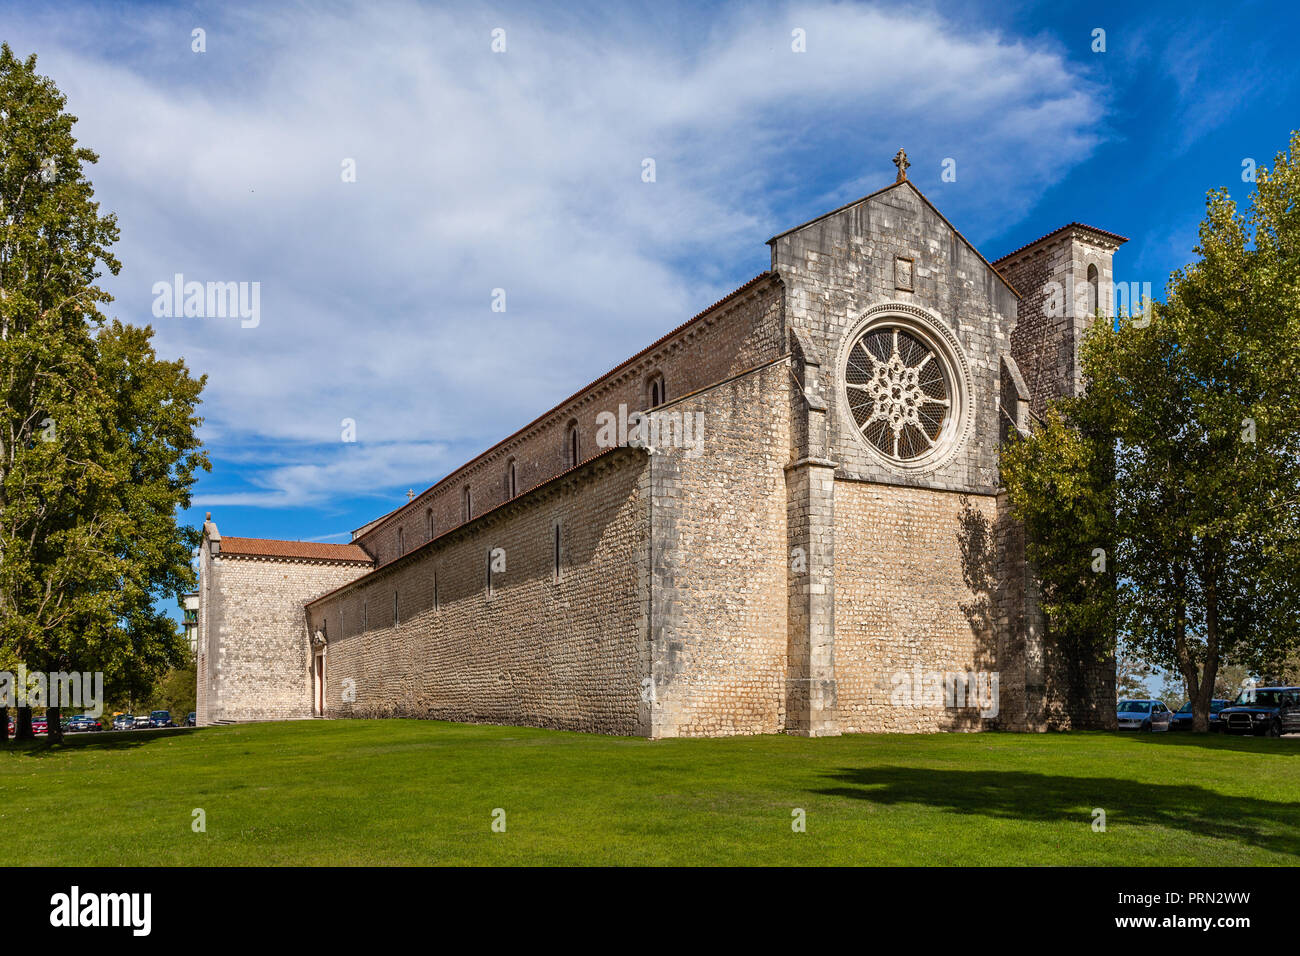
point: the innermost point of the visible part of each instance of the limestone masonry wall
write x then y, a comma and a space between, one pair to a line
254, 658
914, 588
718, 620
566, 652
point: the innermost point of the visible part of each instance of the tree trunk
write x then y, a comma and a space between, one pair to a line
54, 725
23, 726
4, 725
1210, 669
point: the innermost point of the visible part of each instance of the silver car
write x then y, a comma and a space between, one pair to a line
1150, 715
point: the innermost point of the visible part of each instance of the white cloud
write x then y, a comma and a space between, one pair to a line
521, 171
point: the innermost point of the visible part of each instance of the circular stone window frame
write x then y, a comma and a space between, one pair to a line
938, 337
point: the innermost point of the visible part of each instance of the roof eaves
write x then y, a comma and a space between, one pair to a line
767, 275
1113, 236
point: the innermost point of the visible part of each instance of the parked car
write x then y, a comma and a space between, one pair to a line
40, 725
191, 719
123, 722
161, 718
1183, 716
84, 723
1151, 715
141, 722
1269, 711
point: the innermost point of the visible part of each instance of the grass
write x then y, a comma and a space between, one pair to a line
423, 792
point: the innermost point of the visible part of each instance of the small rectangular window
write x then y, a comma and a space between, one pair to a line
557, 551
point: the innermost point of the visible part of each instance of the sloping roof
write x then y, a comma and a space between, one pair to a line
934, 209
371, 525
1116, 237
305, 550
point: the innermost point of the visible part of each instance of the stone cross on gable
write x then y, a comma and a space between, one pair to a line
900, 160
410, 494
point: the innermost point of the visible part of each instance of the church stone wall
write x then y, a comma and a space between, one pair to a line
740, 334
839, 267
915, 592
718, 618
567, 653
254, 662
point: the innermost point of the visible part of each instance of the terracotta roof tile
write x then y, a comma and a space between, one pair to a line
307, 550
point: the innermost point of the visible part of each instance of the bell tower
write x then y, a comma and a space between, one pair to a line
1063, 279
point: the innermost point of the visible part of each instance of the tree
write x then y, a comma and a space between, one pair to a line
97, 435
1182, 458
1131, 674
178, 688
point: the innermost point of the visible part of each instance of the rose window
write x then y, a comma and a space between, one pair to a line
898, 391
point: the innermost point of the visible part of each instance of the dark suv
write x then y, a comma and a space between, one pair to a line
1272, 711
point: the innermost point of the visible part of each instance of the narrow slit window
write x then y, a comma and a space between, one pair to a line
401, 541
557, 552
396, 620
489, 572
469, 504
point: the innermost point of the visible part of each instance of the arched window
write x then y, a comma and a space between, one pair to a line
571, 446
512, 479
655, 392
469, 504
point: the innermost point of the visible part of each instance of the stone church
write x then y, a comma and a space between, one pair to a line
783, 516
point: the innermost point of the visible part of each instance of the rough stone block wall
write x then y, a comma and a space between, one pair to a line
1046, 345
1020, 627
255, 651
718, 619
915, 586
837, 268
736, 336
568, 654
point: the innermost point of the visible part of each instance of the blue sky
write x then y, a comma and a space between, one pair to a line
521, 170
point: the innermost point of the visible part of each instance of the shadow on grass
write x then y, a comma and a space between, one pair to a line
1260, 746
97, 740
1042, 798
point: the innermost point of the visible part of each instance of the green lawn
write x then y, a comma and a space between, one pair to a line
423, 792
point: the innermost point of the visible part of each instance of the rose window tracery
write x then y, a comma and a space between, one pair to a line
899, 392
